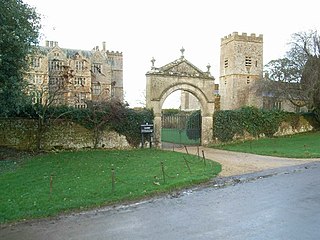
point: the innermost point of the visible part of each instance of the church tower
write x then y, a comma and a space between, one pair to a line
241, 66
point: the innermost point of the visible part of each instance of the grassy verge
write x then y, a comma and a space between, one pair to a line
177, 136
306, 145
46, 185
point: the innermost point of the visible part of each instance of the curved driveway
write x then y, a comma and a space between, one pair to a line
236, 163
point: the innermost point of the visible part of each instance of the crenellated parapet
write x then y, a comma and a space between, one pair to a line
235, 36
114, 53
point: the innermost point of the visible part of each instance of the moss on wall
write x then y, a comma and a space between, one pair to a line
250, 122
62, 134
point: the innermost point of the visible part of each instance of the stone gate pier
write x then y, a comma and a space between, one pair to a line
181, 75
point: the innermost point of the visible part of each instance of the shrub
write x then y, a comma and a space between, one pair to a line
194, 125
129, 125
98, 116
255, 121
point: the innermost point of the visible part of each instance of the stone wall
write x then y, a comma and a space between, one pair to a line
301, 125
63, 134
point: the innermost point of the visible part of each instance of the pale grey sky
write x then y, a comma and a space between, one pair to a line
143, 29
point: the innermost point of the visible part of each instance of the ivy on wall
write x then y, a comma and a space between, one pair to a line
123, 120
256, 122
98, 117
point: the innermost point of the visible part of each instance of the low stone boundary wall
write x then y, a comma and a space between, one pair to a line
300, 125
62, 134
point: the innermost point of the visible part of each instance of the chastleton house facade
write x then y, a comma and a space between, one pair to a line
73, 77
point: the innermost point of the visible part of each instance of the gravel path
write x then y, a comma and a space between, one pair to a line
236, 163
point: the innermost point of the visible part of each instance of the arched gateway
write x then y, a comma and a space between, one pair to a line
181, 75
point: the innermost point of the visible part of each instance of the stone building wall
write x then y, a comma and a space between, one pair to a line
86, 75
241, 65
189, 102
116, 62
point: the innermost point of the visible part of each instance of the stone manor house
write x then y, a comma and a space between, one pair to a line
73, 77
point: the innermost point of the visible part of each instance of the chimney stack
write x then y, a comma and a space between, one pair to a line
104, 46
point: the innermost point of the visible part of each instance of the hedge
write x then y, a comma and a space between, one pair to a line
255, 121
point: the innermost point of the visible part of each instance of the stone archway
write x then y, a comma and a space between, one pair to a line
181, 75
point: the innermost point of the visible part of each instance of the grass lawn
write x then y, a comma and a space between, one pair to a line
83, 179
172, 135
305, 145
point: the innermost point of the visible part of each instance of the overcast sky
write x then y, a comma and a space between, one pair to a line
143, 29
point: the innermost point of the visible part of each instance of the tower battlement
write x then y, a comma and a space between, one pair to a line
235, 36
114, 53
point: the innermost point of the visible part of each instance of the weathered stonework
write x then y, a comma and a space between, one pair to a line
189, 102
80, 75
286, 128
63, 134
300, 126
241, 65
181, 75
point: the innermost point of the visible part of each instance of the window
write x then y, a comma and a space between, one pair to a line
96, 89
36, 62
248, 80
32, 79
277, 105
55, 65
79, 81
248, 62
226, 63
56, 81
52, 80
96, 68
38, 79
80, 100
79, 65
36, 97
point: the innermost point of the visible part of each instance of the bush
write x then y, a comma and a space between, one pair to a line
316, 114
129, 125
98, 116
255, 121
194, 125
226, 125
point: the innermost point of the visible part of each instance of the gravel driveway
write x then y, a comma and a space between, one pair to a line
236, 163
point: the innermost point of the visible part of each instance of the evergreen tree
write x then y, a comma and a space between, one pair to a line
19, 32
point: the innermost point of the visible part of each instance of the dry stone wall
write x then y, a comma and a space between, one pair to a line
63, 134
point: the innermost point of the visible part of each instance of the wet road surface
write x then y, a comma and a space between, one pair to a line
274, 204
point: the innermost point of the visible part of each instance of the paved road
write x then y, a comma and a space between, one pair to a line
274, 204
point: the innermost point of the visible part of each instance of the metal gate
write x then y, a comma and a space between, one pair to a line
182, 128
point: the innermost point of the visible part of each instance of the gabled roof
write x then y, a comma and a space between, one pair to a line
180, 67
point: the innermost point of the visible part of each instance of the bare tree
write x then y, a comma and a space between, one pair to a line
297, 76
46, 95
100, 114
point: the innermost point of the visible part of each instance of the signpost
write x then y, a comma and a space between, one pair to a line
146, 130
